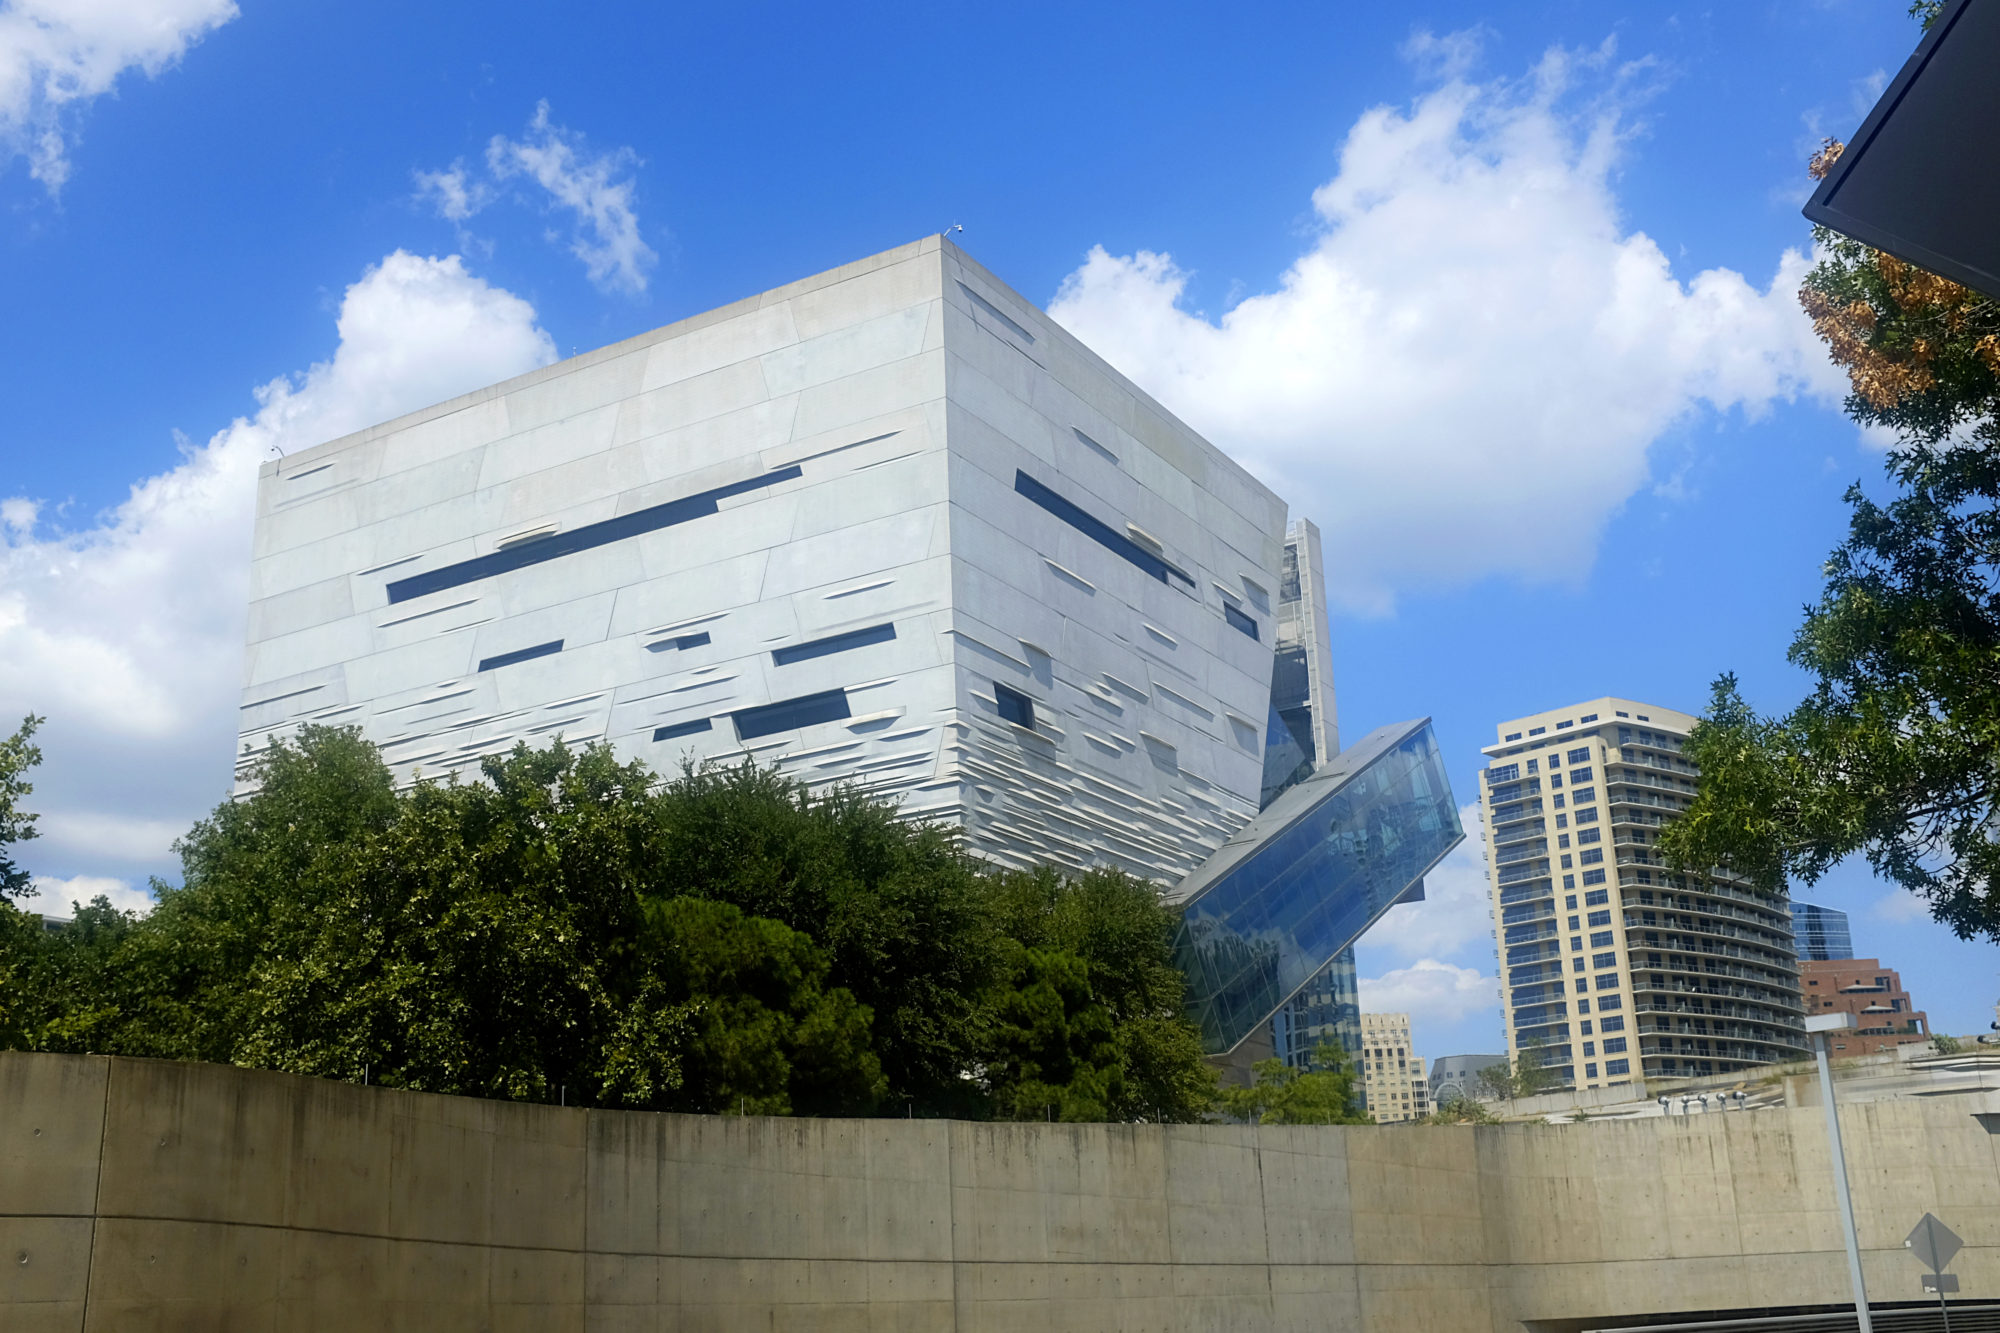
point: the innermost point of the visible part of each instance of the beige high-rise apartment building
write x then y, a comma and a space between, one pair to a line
1392, 1073
1612, 968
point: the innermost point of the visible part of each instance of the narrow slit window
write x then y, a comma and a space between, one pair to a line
520, 655
832, 643
586, 538
681, 642
695, 727
1097, 530
791, 714
1240, 620
1015, 706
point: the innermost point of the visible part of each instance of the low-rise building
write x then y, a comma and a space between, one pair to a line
1457, 1076
1886, 1015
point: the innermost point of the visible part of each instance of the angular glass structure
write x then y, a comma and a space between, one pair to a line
1820, 933
1304, 879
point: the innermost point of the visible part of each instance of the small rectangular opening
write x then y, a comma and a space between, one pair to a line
521, 655
832, 643
667, 733
1015, 706
791, 714
1239, 620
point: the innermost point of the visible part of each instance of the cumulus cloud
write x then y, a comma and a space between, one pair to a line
58, 55
595, 187
1464, 372
1457, 907
59, 897
1433, 993
128, 633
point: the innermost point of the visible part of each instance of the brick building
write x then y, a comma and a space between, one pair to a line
1874, 994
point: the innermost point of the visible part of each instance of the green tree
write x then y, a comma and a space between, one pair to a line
1895, 754
1324, 1094
18, 754
1103, 940
1526, 1075
764, 1034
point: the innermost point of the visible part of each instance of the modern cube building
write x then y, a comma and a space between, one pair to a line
889, 525
1615, 968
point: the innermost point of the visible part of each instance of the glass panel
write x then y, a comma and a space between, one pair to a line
832, 643
1097, 530
1280, 914
791, 714
521, 655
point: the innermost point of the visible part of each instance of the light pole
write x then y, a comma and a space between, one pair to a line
1822, 1026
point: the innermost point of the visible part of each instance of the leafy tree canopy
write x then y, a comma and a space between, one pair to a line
1324, 1094
1895, 754
18, 754
571, 927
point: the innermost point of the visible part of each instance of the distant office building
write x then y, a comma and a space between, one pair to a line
1392, 1073
1457, 1076
891, 526
1820, 932
1886, 1015
1615, 969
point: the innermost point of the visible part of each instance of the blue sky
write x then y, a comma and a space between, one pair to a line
1497, 293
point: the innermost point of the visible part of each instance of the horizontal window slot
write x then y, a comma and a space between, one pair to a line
586, 538
1239, 620
832, 643
680, 641
309, 472
1097, 530
695, 727
790, 714
521, 655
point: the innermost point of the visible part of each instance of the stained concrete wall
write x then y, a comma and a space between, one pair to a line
149, 1195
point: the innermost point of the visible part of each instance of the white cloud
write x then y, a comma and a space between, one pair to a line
1900, 906
589, 185
128, 634
1433, 993
1463, 374
56, 55
452, 192
58, 897
1457, 907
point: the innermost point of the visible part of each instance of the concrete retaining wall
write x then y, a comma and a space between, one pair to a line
140, 1194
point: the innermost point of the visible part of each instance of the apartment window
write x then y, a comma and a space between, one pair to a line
1609, 981
1014, 706
1097, 530
1536, 731
1589, 857
1588, 717
1600, 918
1566, 863
1580, 756
1555, 779
669, 732
1612, 1024
1644, 718
1576, 965
1590, 1071
1570, 902
1593, 877
1596, 897
1562, 840
1569, 882
1584, 1027
1576, 943
1576, 923
1584, 794
1514, 736
791, 714
1620, 713
1614, 1045
1534, 765
1586, 816
1590, 1048
1556, 801
1239, 621
1590, 835
1580, 775
521, 655
1612, 1067
1506, 772
1603, 960
1600, 940
1562, 821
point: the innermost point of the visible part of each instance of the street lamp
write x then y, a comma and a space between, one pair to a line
1823, 1026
